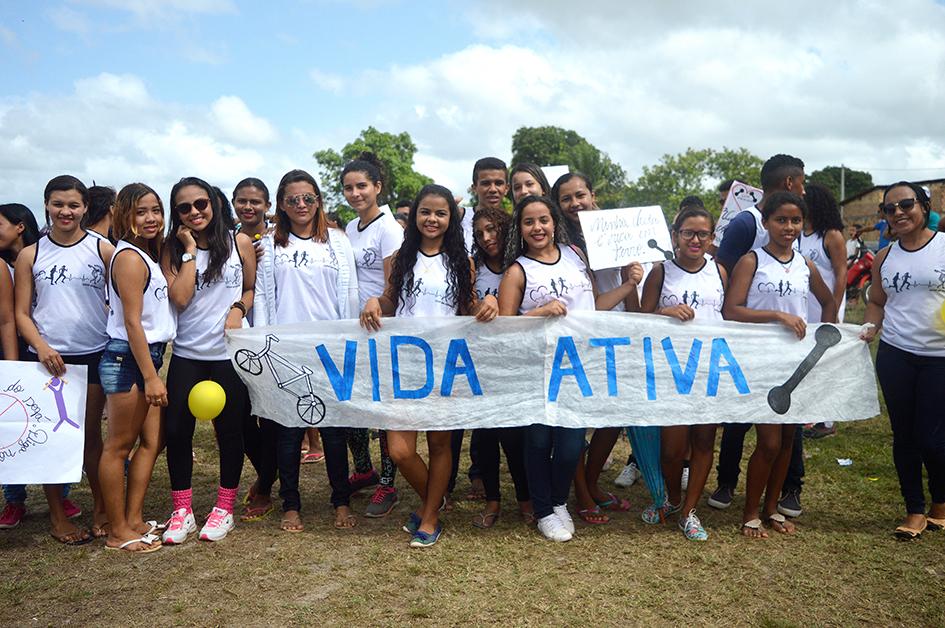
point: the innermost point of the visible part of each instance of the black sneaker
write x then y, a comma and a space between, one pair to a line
722, 497
790, 503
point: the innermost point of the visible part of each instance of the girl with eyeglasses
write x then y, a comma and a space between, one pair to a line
375, 237
574, 194
140, 324
60, 313
312, 278
431, 275
773, 284
210, 274
688, 287
906, 310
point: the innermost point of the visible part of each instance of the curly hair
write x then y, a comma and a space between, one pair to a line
515, 244
500, 220
459, 276
823, 211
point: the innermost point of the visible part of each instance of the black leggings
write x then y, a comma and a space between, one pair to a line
359, 442
912, 387
182, 374
512, 440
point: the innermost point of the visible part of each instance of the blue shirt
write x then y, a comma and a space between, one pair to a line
882, 226
737, 240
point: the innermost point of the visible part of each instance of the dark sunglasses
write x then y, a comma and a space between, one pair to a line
905, 205
200, 204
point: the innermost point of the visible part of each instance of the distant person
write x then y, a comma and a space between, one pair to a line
881, 226
526, 179
402, 208
98, 219
401, 220
854, 242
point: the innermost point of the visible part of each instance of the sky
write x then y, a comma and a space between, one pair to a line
117, 91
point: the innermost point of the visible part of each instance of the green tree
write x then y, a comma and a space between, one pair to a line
551, 146
855, 181
395, 152
694, 172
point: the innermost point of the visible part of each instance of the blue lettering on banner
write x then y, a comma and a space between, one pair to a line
458, 350
576, 370
683, 379
720, 350
650, 369
341, 383
609, 344
417, 393
375, 379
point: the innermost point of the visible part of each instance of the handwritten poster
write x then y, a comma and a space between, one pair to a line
740, 196
552, 173
616, 237
42, 424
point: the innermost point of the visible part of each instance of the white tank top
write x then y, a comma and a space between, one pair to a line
914, 282
487, 282
69, 295
371, 244
200, 324
761, 234
780, 286
812, 247
306, 278
701, 290
608, 279
431, 295
157, 315
565, 280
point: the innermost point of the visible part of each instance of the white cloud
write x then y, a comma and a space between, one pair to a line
144, 9
112, 130
69, 20
7, 36
327, 81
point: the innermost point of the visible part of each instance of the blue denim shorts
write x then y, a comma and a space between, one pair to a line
118, 369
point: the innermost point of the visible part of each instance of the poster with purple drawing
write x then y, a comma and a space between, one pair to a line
616, 237
42, 424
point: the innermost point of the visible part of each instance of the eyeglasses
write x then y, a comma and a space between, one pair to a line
905, 205
689, 234
200, 204
300, 199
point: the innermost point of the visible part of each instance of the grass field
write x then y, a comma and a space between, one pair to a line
843, 567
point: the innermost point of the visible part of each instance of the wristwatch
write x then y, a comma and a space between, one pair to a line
187, 257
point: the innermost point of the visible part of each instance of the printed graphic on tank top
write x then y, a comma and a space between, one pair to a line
565, 280
780, 286
487, 282
431, 293
701, 290
200, 325
371, 244
157, 316
306, 277
813, 248
70, 280
914, 282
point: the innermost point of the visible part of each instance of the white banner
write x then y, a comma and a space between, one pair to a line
42, 424
588, 369
740, 196
616, 237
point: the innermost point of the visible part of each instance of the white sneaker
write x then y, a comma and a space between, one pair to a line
629, 475
564, 517
552, 529
685, 478
179, 526
219, 523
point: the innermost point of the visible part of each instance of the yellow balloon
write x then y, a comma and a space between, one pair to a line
206, 400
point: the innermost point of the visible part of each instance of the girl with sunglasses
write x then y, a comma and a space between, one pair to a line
210, 275
433, 255
60, 313
140, 324
773, 284
688, 287
312, 278
375, 236
906, 310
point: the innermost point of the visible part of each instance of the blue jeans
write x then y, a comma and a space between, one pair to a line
551, 458
17, 492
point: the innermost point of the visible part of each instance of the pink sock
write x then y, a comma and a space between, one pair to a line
182, 499
226, 498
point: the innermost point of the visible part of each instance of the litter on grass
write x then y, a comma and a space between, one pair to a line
844, 462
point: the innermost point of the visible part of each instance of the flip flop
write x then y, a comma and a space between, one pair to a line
147, 539
776, 522
350, 518
614, 504
754, 524
256, 513
100, 532
313, 457
485, 520
904, 533
593, 516
79, 541
934, 524
285, 523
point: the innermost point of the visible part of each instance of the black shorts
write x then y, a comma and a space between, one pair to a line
90, 360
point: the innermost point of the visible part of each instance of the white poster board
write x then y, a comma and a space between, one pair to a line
42, 424
552, 173
616, 237
740, 196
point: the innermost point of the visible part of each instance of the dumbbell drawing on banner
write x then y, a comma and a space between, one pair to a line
779, 397
296, 380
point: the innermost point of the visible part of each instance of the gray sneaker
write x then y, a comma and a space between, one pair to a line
382, 502
722, 497
790, 503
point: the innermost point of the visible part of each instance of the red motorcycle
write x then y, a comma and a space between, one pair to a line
859, 276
